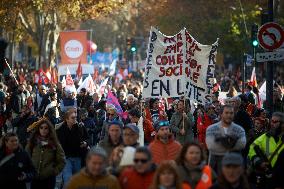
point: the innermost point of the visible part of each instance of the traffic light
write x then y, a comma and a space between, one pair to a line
128, 42
131, 45
254, 30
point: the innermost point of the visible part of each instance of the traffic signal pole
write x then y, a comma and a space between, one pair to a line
269, 69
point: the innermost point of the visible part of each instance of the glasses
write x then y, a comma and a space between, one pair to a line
111, 114
143, 161
164, 123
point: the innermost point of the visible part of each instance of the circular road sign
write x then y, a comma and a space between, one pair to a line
270, 36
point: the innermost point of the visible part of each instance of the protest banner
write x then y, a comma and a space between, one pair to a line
179, 66
164, 69
200, 67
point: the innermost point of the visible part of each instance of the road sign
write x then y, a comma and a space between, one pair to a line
270, 36
249, 60
270, 56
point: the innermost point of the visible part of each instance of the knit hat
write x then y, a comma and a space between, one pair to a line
232, 158
116, 122
160, 124
133, 127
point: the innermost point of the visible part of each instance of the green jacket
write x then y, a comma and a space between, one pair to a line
48, 161
267, 145
177, 123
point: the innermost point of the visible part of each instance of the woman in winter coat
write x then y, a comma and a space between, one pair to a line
193, 169
167, 177
16, 167
47, 155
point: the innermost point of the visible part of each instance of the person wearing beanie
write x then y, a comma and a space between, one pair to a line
164, 146
114, 138
94, 175
232, 175
111, 115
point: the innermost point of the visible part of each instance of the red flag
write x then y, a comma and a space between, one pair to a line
42, 77
96, 73
253, 81
79, 71
54, 77
69, 80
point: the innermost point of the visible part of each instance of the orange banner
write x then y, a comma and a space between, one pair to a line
73, 47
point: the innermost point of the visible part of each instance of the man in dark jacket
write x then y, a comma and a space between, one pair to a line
90, 125
22, 122
84, 100
241, 117
73, 138
18, 100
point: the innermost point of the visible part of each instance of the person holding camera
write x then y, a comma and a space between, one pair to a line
224, 136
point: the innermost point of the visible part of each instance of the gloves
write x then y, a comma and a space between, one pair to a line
227, 141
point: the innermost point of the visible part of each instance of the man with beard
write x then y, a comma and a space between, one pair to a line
223, 137
265, 150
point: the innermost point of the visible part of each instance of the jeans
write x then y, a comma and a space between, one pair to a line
72, 166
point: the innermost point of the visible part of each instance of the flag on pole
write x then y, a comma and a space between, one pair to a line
63, 82
96, 73
69, 82
101, 89
112, 67
79, 71
111, 99
88, 84
80, 81
253, 81
54, 77
42, 77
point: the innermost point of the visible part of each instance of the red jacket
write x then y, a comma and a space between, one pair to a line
162, 151
148, 114
130, 179
202, 125
148, 130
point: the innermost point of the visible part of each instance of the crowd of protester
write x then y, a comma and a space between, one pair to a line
52, 137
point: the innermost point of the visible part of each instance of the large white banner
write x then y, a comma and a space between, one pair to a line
164, 69
179, 66
200, 62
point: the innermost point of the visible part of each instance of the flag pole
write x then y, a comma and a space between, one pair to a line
11, 71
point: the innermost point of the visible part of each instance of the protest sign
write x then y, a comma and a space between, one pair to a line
179, 66
164, 69
200, 67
